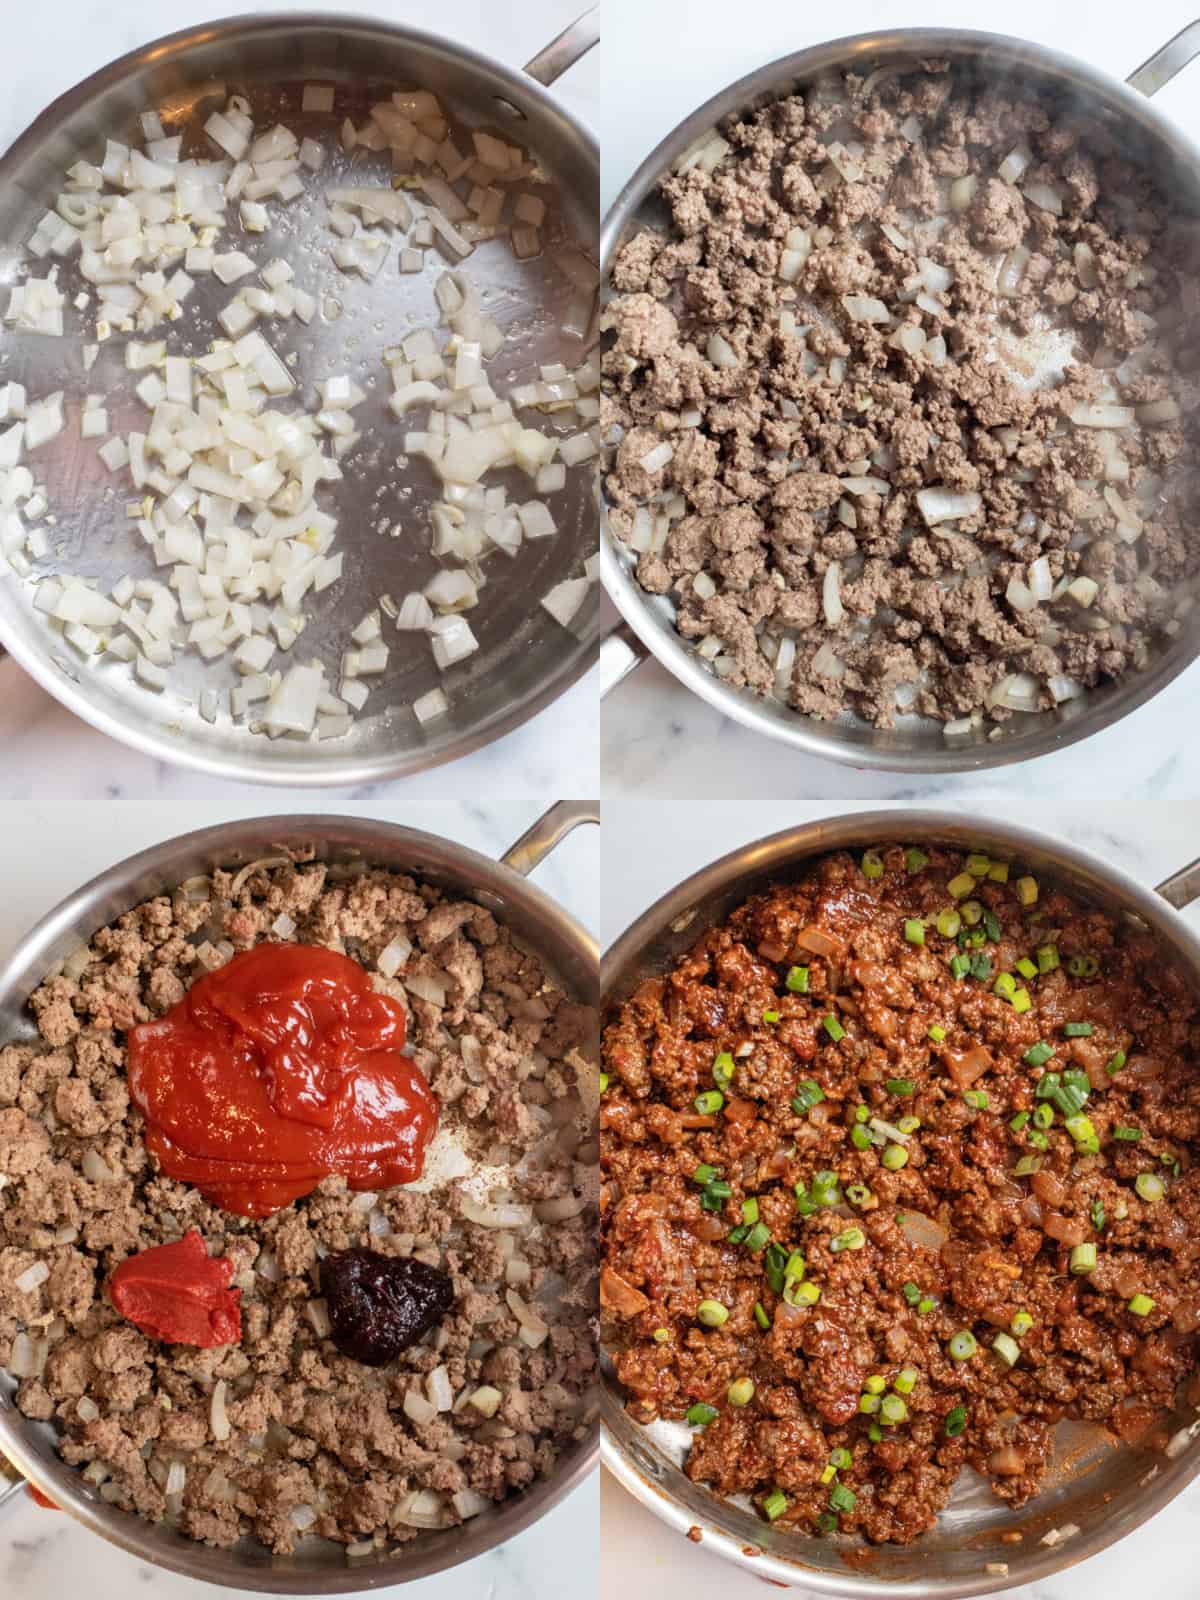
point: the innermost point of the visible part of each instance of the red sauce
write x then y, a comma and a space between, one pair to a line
279, 1069
180, 1294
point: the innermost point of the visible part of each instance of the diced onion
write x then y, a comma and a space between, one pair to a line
947, 505
509, 1215
831, 594
31, 1278
218, 1420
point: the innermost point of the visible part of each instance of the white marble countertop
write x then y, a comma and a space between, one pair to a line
48, 750
656, 733
638, 1556
48, 851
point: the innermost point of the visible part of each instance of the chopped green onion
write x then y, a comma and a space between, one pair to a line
1027, 891
937, 1033
960, 966
1028, 1164
1038, 1054
1018, 1122
1083, 966
794, 1265
948, 923
1077, 1030
1098, 1215
857, 1193
719, 1188
709, 1103
908, 1124
1150, 1187
848, 1239
859, 1137
840, 1459
962, 885
874, 1432
872, 864
991, 925
661, 1335
910, 1292
705, 1174
998, 872
1026, 968
875, 1384
1021, 1324
1141, 1305
603, 1082
1047, 957
773, 1265
1171, 1161
711, 1202
1007, 1349
760, 1315
805, 1294
797, 980
808, 1094
805, 1204
861, 1113
981, 967
1083, 1259
828, 1472
758, 1236
1069, 1099
915, 859
1021, 1001
750, 1210
1116, 1063
736, 1235
976, 1098
701, 1414
956, 1421
962, 1345
770, 1016
1039, 1140
1080, 1128
825, 1188
723, 1070
899, 1086
925, 1305
914, 930
827, 1522
1005, 985
1043, 1116
906, 1380
894, 1157
774, 1505
972, 913
841, 1498
712, 1313
833, 1027
741, 1391
978, 865
892, 1410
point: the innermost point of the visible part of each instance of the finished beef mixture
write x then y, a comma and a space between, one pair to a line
900, 400
297, 1200
898, 1171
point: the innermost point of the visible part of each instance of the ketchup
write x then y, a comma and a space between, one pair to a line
277, 1070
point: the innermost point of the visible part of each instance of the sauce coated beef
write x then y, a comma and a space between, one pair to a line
891, 1180
788, 440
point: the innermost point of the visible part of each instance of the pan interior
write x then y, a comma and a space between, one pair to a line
1119, 121
318, 1566
1104, 1488
525, 657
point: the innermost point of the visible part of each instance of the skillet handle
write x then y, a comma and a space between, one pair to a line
1162, 66
1182, 887
12, 1484
548, 831
574, 42
621, 653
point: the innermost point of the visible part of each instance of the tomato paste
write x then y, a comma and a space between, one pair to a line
180, 1294
276, 1071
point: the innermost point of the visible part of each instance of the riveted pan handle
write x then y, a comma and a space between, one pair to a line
11, 1483
620, 653
1162, 66
574, 42
536, 843
1182, 887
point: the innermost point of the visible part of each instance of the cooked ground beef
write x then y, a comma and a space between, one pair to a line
782, 515
317, 1440
891, 1169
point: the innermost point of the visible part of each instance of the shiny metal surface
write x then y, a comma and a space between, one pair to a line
1107, 1490
526, 659
1146, 137
568, 952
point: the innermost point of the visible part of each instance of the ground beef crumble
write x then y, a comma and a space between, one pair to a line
971, 1224
796, 439
513, 1059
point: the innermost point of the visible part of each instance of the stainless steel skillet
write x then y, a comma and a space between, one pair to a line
1105, 1491
567, 951
525, 659
1122, 114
